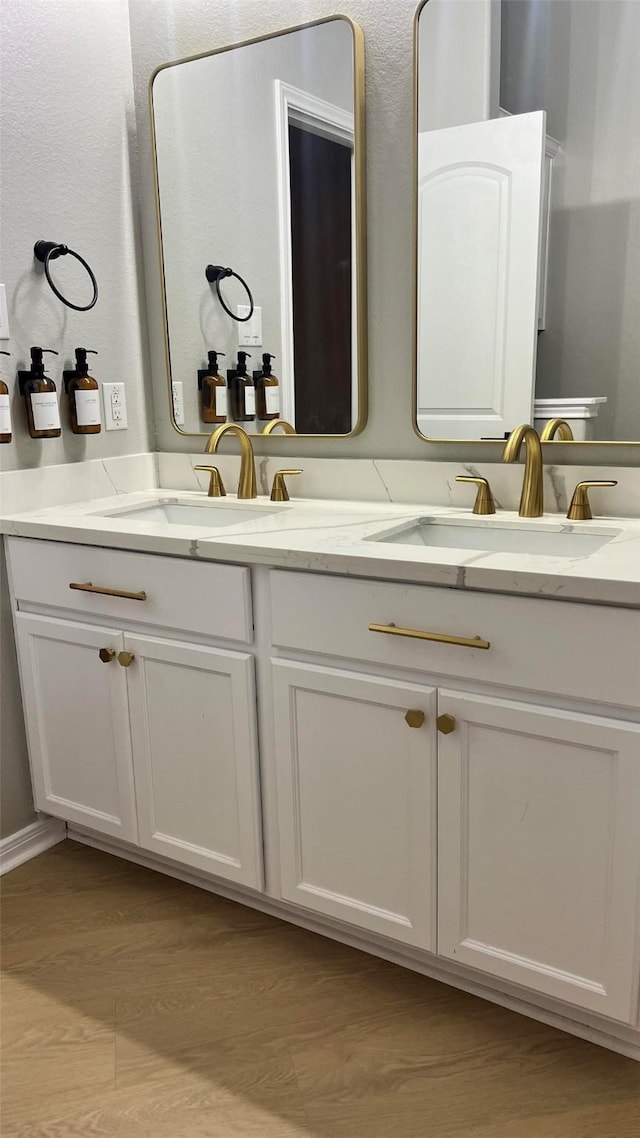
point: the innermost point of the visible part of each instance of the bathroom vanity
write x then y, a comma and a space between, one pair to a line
397, 745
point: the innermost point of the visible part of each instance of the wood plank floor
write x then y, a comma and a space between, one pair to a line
134, 1005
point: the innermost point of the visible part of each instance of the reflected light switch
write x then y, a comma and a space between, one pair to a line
250, 331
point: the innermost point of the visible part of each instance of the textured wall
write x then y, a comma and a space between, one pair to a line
167, 29
67, 118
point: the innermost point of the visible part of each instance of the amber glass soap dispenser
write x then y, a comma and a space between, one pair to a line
213, 391
43, 414
5, 410
243, 392
84, 396
267, 390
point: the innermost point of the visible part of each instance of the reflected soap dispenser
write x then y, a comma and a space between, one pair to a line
213, 391
84, 396
243, 392
43, 414
267, 390
5, 410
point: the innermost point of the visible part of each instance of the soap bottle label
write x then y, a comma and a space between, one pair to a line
272, 400
221, 400
87, 408
44, 407
250, 400
5, 415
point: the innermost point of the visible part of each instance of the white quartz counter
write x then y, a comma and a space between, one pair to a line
339, 537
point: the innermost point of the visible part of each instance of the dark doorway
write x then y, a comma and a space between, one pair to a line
320, 185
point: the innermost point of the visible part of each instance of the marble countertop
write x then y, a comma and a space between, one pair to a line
339, 537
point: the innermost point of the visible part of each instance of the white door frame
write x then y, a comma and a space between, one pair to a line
333, 122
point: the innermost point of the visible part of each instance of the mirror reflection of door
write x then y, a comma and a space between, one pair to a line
484, 68
320, 173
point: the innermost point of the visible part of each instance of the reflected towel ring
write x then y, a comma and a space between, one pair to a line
46, 251
216, 273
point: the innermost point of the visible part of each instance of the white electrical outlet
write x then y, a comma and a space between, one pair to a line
115, 407
4, 315
178, 403
250, 331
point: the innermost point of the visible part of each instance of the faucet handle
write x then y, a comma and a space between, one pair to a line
279, 492
216, 485
580, 508
484, 503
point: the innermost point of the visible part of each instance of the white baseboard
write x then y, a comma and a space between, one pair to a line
28, 843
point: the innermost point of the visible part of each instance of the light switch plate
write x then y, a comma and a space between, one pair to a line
115, 407
178, 403
4, 315
250, 331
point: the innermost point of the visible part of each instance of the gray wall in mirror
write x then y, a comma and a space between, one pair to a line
167, 29
576, 61
579, 61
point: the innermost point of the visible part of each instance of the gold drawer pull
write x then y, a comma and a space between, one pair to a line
125, 659
439, 637
446, 724
87, 587
414, 717
107, 655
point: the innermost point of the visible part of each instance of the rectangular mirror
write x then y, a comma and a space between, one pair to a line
259, 161
528, 219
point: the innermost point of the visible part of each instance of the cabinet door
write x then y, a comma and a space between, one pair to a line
539, 849
356, 799
77, 720
193, 720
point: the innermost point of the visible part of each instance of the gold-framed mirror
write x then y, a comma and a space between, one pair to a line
260, 189
527, 220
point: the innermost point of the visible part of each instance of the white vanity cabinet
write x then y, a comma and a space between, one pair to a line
77, 719
472, 812
538, 805
357, 798
135, 734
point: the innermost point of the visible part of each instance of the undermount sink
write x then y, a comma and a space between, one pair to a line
209, 515
494, 537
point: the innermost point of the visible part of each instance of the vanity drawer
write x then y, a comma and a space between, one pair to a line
582, 651
203, 597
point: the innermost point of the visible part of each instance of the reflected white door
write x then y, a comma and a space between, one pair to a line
479, 211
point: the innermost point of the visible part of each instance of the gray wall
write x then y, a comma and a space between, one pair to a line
67, 122
579, 62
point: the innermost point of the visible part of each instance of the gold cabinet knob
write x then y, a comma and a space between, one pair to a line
279, 492
107, 655
484, 503
216, 485
125, 659
414, 717
446, 724
580, 508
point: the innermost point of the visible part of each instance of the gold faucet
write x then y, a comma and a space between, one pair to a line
558, 427
531, 500
287, 429
247, 481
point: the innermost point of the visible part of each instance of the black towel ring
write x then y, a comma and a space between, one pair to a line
216, 273
46, 251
